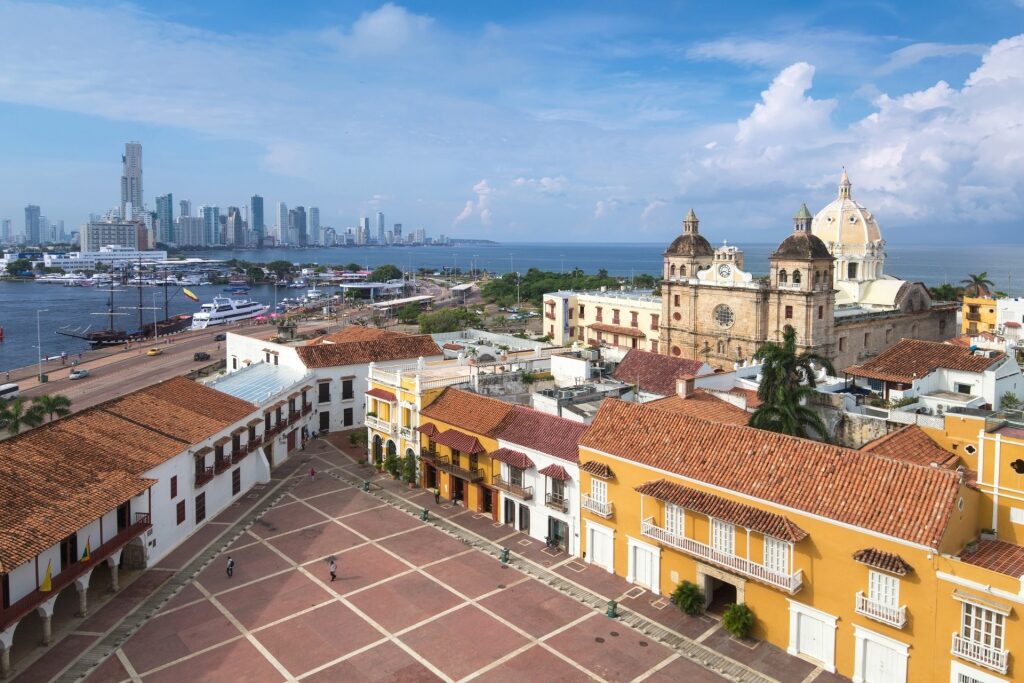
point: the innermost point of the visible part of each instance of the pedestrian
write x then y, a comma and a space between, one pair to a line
8, 375
437, 496
231, 567
312, 474
334, 569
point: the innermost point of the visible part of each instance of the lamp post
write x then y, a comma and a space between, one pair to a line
39, 342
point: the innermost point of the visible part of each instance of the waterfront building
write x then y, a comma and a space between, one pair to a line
109, 254
211, 224
190, 231
131, 180
282, 222
234, 229
165, 218
32, 234
96, 234
627, 318
185, 208
381, 238
396, 232
314, 226
115, 487
6, 231
256, 222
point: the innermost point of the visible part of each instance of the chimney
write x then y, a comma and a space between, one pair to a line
684, 386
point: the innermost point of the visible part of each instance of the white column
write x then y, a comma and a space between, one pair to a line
6, 639
113, 561
82, 586
46, 613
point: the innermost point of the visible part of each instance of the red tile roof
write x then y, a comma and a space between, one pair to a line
888, 496
544, 433
513, 458
998, 556
429, 428
555, 472
472, 412
464, 443
382, 394
598, 469
618, 329
654, 372
393, 346
746, 516
753, 400
879, 559
911, 444
354, 333
452, 346
704, 406
910, 359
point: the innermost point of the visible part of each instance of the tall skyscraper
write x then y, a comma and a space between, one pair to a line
185, 208
211, 224
256, 218
397, 233
282, 222
32, 224
131, 178
381, 239
297, 220
235, 227
366, 229
165, 214
6, 231
314, 226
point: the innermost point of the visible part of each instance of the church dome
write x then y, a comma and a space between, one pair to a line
802, 244
846, 224
691, 243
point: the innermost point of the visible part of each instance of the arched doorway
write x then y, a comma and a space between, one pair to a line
392, 449
378, 449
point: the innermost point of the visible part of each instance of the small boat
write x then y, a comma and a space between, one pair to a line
226, 310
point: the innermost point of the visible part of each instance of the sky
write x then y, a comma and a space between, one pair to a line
526, 121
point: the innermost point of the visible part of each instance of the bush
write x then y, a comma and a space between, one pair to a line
689, 598
738, 620
391, 465
357, 438
409, 468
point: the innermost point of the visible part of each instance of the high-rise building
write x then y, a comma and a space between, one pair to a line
165, 217
211, 224
282, 222
381, 239
185, 208
366, 229
234, 227
102, 233
6, 231
256, 219
397, 233
190, 232
297, 222
32, 224
131, 178
314, 225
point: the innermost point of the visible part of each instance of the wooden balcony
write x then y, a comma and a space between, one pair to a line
239, 455
556, 502
601, 508
471, 476
894, 616
221, 464
523, 492
204, 475
976, 317
791, 583
979, 653
307, 409
294, 415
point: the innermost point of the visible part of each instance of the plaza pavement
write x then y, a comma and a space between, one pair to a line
413, 601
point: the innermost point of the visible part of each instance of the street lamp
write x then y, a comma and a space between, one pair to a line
39, 342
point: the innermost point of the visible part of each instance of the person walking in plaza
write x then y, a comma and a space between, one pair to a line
333, 569
312, 474
231, 567
437, 496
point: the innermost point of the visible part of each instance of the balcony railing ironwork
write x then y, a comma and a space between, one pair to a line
787, 582
556, 501
598, 507
524, 492
979, 653
459, 471
221, 464
203, 475
872, 609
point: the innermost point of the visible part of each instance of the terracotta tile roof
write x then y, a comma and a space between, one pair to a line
353, 333
1012, 324
915, 358
746, 516
464, 409
382, 394
617, 329
465, 443
545, 433
393, 346
879, 559
57, 478
888, 496
555, 472
655, 373
753, 400
451, 346
704, 406
513, 458
911, 444
598, 469
998, 556
429, 428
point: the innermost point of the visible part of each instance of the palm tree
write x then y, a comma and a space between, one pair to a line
20, 413
56, 404
978, 285
787, 382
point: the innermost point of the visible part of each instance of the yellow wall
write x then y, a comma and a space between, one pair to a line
831, 578
473, 491
985, 312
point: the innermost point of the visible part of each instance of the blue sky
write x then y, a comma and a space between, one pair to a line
526, 121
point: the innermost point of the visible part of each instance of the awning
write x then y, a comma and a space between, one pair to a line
222, 440
202, 452
982, 601
294, 394
382, 395
555, 472
879, 559
598, 469
239, 430
513, 458
254, 422
429, 429
459, 441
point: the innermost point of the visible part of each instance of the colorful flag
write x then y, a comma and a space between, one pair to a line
189, 293
86, 556
47, 585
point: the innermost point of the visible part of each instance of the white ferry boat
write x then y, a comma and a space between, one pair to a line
224, 310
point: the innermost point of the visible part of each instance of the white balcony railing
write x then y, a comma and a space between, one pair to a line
979, 653
894, 616
381, 425
407, 433
598, 507
787, 582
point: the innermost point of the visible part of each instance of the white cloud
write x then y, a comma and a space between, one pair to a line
918, 52
466, 212
482, 205
650, 209
546, 185
784, 110
385, 30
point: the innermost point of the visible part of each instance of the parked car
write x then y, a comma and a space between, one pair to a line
154, 351
78, 373
220, 337
200, 355
320, 330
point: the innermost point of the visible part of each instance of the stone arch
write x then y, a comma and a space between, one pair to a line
673, 271
378, 448
783, 277
392, 449
682, 271
817, 278
796, 277
720, 347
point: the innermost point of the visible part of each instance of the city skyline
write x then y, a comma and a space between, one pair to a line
587, 119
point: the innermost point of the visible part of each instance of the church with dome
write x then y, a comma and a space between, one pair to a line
826, 280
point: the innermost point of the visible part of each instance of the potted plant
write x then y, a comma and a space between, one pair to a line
971, 546
738, 620
391, 465
988, 534
409, 469
689, 598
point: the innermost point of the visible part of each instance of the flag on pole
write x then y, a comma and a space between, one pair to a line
189, 293
86, 554
47, 585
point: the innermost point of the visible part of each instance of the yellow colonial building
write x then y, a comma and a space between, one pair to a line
865, 563
978, 315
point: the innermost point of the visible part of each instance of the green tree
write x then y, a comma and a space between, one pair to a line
447, 320
18, 266
255, 274
977, 284
53, 404
1009, 401
20, 413
946, 292
352, 267
281, 269
787, 383
408, 314
385, 273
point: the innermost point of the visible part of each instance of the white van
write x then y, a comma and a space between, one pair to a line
8, 391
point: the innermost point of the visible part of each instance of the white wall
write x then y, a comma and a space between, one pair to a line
248, 350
